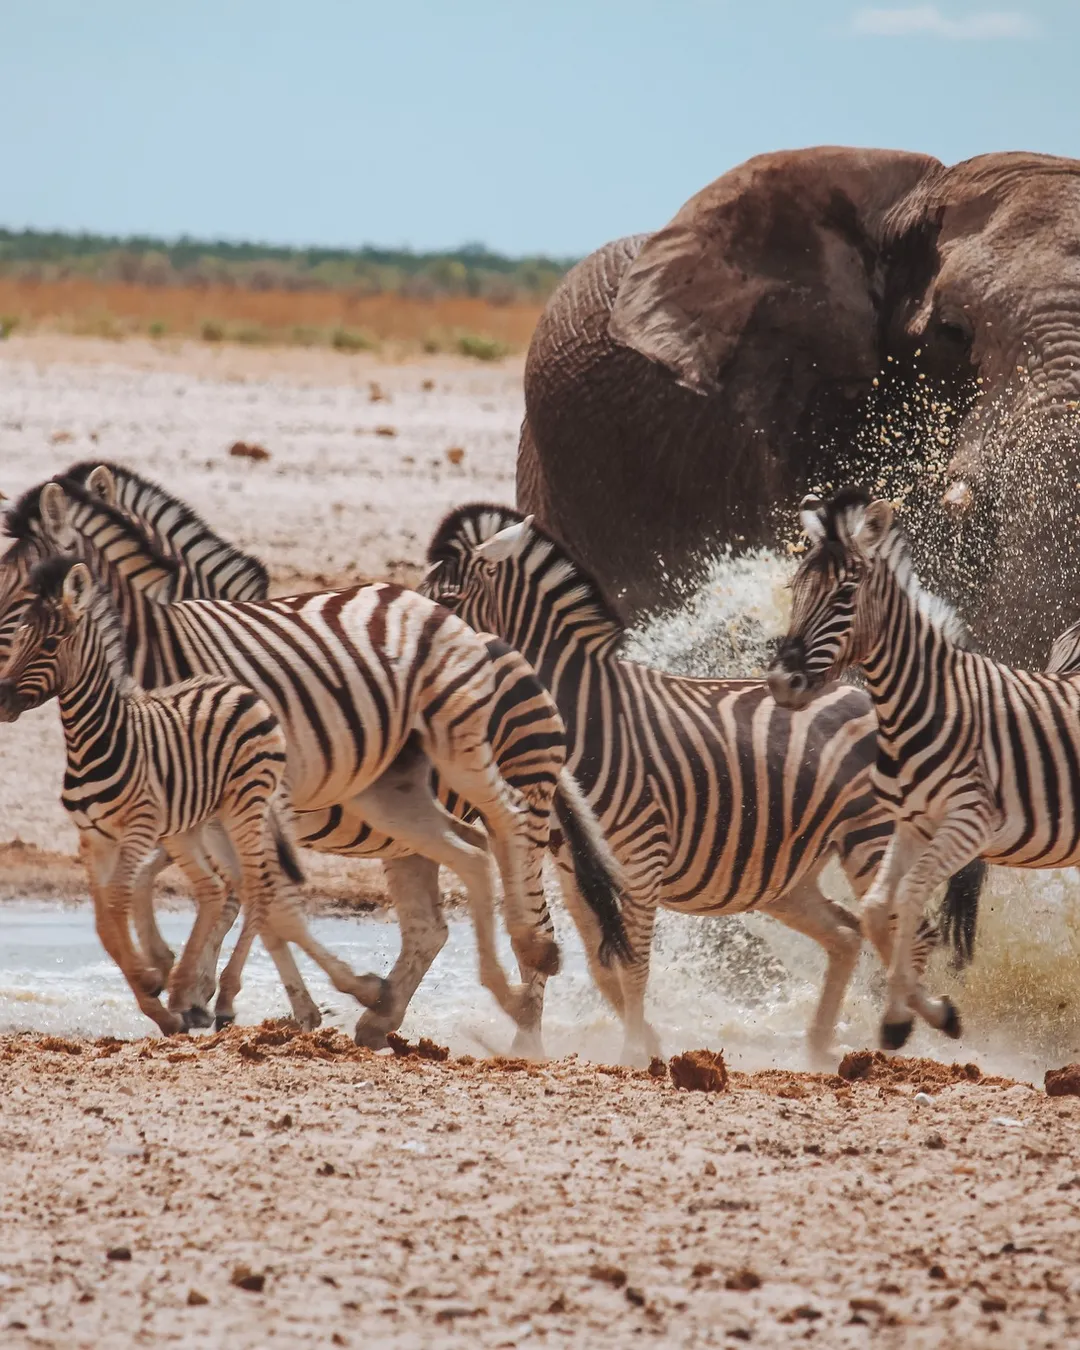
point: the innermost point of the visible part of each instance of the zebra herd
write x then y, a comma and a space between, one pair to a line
210, 725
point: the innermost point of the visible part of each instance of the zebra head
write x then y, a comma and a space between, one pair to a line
464, 557
45, 649
832, 613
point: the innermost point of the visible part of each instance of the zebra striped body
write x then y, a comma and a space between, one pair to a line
974, 759
714, 799
523, 727
146, 769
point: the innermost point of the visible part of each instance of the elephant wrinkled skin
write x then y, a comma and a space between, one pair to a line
815, 317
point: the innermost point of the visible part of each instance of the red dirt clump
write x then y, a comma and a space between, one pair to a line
700, 1071
1063, 1082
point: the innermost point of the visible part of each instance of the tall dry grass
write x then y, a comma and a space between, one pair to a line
82, 305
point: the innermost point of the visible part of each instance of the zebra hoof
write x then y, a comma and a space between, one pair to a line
223, 1020
195, 1017
895, 1034
370, 1034
951, 1025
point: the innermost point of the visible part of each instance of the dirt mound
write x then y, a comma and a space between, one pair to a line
700, 1071
1063, 1082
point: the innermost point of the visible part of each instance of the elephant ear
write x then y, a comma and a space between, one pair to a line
785, 241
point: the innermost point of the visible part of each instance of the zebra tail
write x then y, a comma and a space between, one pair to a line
960, 911
286, 852
598, 874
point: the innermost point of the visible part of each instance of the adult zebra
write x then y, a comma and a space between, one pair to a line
974, 759
714, 799
357, 678
526, 733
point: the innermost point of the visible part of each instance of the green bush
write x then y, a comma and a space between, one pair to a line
352, 340
481, 348
157, 329
212, 331
8, 324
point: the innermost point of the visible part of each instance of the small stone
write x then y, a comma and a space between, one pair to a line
635, 1296
657, 1067
195, 1299
119, 1254
923, 1099
245, 1278
701, 1270
866, 1305
710, 1168
613, 1275
385, 431
743, 1280
936, 1272
993, 1303
455, 455
934, 1140
427, 386
248, 450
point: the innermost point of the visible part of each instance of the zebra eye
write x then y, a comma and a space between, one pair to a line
50, 645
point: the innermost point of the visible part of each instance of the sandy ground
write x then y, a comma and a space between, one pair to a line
406, 1202
401, 1202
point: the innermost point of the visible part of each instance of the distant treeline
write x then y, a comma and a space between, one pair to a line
472, 270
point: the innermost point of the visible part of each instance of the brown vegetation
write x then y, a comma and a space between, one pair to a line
347, 321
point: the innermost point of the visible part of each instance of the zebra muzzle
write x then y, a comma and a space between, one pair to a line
12, 701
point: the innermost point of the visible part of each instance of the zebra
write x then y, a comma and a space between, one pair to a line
152, 768
714, 799
974, 758
524, 727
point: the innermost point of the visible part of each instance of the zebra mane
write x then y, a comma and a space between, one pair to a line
161, 515
125, 528
47, 583
839, 517
22, 519
473, 524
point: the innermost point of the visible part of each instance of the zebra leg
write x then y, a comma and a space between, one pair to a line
110, 872
154, 947
584, 920
806, 910
413, 884
953, 846
230, 982
217, 845
210, 892
401, 804
476, 778
641, 1042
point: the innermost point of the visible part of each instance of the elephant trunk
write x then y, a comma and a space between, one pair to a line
1014, 499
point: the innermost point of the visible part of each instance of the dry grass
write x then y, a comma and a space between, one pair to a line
469, 326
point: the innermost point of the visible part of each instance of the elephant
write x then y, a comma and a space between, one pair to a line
812, 318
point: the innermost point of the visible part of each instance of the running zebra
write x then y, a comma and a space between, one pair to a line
167, 642
974, 759
146, 770
714, 800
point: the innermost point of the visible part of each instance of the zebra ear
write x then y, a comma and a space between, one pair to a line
875, 525
53, 505
812, 518
78, 585
508, 543
102, 484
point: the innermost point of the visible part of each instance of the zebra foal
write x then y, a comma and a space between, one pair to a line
714, 800
146, 769
974, 758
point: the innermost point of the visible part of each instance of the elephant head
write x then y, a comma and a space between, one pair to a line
821, 316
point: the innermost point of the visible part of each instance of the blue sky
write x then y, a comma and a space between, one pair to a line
530, 125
